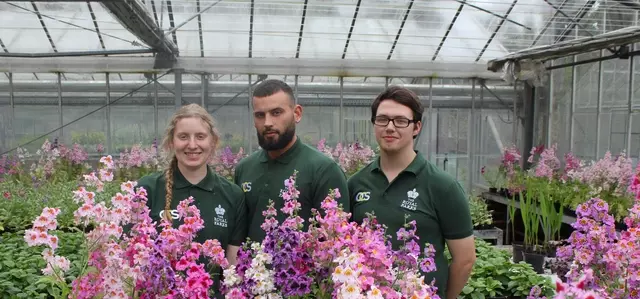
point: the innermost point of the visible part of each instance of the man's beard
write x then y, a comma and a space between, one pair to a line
278, 143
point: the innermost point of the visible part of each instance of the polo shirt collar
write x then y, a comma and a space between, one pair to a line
414, 167
206, 184
286, 157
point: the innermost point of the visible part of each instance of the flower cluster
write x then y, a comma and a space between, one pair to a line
334, 258
610, 174
602, 262
510, 160
351, 157
52, 162
548, 164
138, 263
225, 162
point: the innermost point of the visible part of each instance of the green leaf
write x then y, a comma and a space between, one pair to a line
467, 290
9, 264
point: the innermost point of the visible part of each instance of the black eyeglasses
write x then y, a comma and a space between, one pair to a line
400, 122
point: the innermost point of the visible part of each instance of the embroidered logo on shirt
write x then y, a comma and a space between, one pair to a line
174, 214
363, 196
219, 219
246, 186
410, 202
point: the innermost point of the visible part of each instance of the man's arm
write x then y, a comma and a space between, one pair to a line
329, 177
463, 253
457, 230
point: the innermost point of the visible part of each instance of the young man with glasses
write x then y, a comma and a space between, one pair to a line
401, 182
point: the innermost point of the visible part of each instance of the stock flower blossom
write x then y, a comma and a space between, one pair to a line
335, 257
603, 263
143, 261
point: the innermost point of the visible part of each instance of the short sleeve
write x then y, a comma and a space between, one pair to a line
241, 225
330, 177
453, 213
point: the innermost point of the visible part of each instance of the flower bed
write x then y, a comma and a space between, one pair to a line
24, 200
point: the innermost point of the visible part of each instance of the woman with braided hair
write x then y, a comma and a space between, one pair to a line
190, 140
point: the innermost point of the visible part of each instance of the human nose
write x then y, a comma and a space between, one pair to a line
192, 142
268, 121
391, 126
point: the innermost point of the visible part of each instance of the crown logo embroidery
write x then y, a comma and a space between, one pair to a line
220, 211
412, 194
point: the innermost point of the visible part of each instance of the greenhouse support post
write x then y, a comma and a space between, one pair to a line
204, 94
631, 95
177, 76
60, 117
108, 111
529, 120
156, 133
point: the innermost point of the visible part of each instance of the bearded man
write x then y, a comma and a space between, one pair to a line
261, 175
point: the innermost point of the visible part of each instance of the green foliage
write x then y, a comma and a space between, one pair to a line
480, 214
494, 275
20, 265
88, 138
26, 203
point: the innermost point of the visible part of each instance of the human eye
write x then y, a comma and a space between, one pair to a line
401, 121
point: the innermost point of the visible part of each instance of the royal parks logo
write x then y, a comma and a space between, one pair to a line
219, 219
410, 203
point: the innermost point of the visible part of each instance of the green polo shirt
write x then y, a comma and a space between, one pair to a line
428, 195
262, 178
221, 204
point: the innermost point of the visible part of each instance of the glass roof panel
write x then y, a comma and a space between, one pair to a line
187, 35
469, 33
275, 28
421, 33
529, 24
69, 23
226, 29
326, 28
20, 29
114, 35
375, 29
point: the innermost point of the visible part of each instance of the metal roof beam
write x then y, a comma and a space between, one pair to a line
618, 38
255, 66
134, 17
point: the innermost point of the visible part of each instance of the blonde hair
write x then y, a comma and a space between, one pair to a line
187, 111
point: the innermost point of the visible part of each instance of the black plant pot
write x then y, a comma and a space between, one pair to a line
536, 260
518, 250
493, 190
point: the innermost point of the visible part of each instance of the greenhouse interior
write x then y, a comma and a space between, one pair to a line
531, 105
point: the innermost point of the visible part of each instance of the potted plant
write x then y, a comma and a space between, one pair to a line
483, 221
494, 276
493, 177
531, 223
